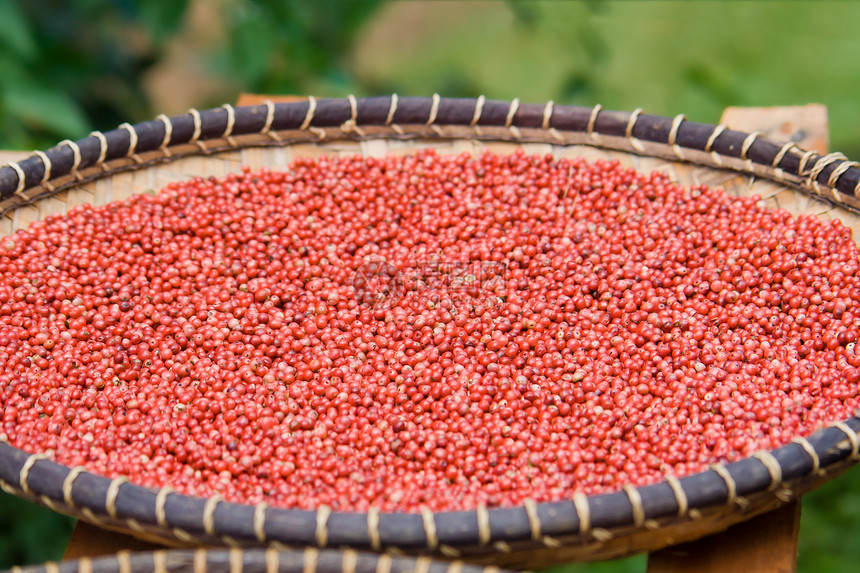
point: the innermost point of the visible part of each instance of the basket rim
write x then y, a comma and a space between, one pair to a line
745, 486
271, 560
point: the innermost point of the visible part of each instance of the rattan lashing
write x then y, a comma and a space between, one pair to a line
282, 560
533, 534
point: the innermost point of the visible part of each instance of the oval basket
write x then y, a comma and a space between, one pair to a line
133, 159
308, 560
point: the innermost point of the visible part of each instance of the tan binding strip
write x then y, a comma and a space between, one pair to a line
209, 514
813, 455
21, 177
123, 559
383, 564
804, 159
199, 563
718, 131
731, 485
781, 153
631, 122
110, 496
429, 528
353, 108
479, 109
270, 115
310, 559
68, 484
592, 120
46, 162
351, 125
260, 521
673, 135
819, 167
583, 511
392, 109
852, 436
76, 153
237, 560
132, 138
839, 172
748, 142
483, 524
273, 560
680, 495
321, 533
25, 472
534, 520
454, 567
103, 145
628, 132
547, 114
422, 565
772, 466
85, 564
373, 528
231, 120
160, 503
168, 130
198, 124
434, 110
636, 503
52, 567
512, 111
676, 125
309, 116
348, 561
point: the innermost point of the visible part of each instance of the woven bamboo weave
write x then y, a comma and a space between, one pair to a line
272, 560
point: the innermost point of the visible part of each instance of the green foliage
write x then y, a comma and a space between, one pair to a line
30, 533
285, 47
667, 57
68, 66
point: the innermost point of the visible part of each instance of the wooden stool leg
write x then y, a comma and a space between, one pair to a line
90, 541
765, 544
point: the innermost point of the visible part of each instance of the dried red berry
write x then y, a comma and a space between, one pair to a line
424, 331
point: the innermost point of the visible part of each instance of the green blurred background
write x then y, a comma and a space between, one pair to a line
70, 66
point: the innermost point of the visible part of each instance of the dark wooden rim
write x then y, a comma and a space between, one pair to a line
831, 175
255, 561
779, 474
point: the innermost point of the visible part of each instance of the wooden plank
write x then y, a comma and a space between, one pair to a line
91, 541
257, 99
806, 125
764, 544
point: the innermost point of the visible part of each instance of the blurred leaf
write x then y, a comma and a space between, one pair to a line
253, 38
30, 533
635, 564
161, 18
15, 32
45, 108
525, 13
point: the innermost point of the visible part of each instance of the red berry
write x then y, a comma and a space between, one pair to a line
424, 331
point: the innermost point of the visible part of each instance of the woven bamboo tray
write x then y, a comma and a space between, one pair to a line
135, 159
308, 560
